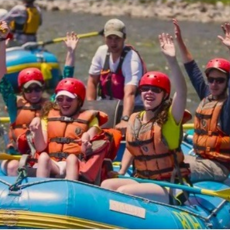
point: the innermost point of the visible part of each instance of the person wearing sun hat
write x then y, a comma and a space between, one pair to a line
116, 70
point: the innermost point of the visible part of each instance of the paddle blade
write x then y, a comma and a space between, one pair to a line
224, 193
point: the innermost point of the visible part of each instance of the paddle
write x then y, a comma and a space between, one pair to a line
188, 126
56, 40
185, 126
5, 156
4, 119
224, 194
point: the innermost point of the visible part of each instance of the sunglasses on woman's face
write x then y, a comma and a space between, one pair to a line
218, 80
36, 89
62, 99
154, 89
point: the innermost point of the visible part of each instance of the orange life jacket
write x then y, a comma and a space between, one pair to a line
64, 133
152, 157
25, 114
209, 140
112, 83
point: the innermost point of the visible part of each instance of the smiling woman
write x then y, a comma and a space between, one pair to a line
149, 140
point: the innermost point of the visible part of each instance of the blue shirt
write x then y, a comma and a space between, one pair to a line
10, 98
203, 91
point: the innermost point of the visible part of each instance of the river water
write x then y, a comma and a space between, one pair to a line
141, 33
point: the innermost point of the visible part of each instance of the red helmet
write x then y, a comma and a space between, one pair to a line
30, 74
218, 63
73, 86
157, 79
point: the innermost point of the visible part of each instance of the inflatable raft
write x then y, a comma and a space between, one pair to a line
56, 203
18, 58
59, 203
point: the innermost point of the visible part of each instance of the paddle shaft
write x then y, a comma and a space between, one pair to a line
5, 156
56, 40
185, 126
225, 194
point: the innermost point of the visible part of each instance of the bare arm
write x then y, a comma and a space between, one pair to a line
4, 30
180, 96
91, 93
127, 160
185, 54
129, 100
40, 135
71, 43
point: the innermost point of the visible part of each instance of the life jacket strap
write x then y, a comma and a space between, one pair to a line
149, 173
63, 140
151, 157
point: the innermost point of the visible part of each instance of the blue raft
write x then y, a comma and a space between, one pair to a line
19, 58
58, 203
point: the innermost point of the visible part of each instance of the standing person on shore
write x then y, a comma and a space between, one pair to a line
149, 140
24, 20
211, 139
117, 69
23, 108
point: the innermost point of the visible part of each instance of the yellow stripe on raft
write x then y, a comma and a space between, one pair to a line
29, 219
17, 68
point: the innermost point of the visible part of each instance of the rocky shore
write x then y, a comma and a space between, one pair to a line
165, 10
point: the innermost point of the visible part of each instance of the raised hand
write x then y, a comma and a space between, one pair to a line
4, 29
167, 45
226, 39
177, 30
71, 41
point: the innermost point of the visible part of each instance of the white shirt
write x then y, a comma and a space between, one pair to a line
131, 67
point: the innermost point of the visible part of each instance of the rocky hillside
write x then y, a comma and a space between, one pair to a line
197, 11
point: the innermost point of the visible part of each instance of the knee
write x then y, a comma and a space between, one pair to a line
71, 160
43, 158
12, 168
123, 189
109, 184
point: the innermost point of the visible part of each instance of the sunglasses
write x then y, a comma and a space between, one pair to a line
154, 89
218, 80
62, 99
36, 89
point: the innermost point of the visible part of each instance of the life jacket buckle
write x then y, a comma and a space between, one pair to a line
208, 149
63, 140
209, 133
66, 119
24, 126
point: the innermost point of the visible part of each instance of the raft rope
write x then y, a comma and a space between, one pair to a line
22, 174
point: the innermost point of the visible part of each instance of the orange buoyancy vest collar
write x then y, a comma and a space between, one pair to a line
64, 133
112, 83
25, 114
209, 140
152, 157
